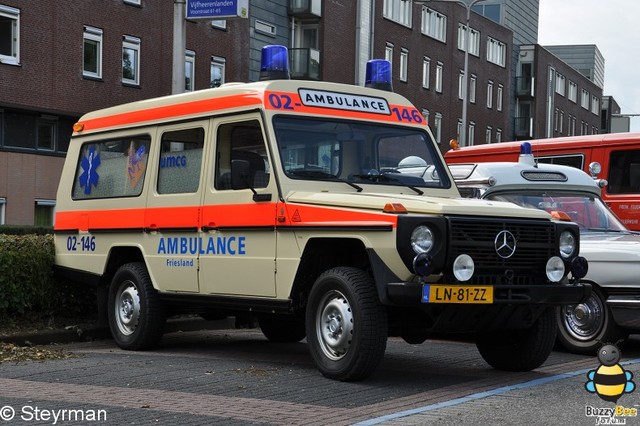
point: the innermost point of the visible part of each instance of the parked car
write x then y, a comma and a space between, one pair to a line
613, 251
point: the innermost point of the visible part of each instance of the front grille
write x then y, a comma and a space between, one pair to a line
535, 243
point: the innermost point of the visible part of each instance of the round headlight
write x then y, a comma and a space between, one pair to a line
463, 267
421, 239
555, 269
567, 244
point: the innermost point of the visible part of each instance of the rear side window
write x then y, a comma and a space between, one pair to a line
111, 168
180, 161
624, 172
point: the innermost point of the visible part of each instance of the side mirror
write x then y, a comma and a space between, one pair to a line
240, 174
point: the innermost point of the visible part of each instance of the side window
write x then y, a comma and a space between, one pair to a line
241, 141
624, 172
180, 161
111, 168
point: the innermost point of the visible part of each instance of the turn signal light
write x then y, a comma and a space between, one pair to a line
77, 127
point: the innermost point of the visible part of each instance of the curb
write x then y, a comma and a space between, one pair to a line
73, 334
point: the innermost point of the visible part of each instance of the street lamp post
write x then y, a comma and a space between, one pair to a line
465, 77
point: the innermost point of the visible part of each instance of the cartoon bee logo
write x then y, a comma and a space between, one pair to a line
610, 380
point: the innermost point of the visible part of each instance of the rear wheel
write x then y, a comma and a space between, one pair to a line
346, 324
136, 314
520, 350
585, 327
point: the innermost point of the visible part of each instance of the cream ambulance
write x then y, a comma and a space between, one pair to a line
291, 201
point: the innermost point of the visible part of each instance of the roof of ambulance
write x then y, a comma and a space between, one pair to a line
252, 93
595, 140
508, 175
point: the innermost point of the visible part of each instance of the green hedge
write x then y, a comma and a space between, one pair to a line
27, 285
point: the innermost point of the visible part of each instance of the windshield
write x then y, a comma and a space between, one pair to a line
589, 212
358, 153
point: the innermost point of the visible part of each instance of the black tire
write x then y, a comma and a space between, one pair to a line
136, 315
585, 327
346, 324
283, 330
520, 350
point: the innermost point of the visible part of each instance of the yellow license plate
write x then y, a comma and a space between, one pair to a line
456, 294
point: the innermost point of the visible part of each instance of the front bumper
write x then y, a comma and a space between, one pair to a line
410, 294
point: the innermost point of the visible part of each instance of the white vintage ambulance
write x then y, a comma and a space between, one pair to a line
285, 199
613, 252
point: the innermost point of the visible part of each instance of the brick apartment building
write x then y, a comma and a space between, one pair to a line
62, 58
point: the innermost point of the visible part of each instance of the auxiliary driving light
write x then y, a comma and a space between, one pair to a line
555, 269
463, 267
423, 264
579, 267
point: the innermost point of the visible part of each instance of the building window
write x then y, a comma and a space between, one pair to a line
561, 122
220, 24
474, 40
461, 85
9, 35
404, 62
134, 2
190, 71
217, 71
131, 60
496, 52
490, 94
398, 11
498, 135
434, 24
44, 212
560, 84
437, 127
573, 92
472, 89
46, 134
499, 97
3, 203
584, 99
388, 53
556, 117
426, 72
472, 133
92, 52
595, 105
439, 70
425, 114
487, 134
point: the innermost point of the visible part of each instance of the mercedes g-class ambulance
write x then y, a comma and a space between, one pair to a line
285, 199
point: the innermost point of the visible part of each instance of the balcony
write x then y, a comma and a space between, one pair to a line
304, 64
523, 127
525, 87
305, 8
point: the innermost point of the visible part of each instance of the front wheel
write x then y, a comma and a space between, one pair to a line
585, 327
346, 324
520, 350
136, 314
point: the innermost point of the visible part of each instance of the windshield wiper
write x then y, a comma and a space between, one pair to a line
320, 175
608, 230
383, 177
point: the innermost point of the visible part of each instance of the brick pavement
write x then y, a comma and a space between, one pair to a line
238, 377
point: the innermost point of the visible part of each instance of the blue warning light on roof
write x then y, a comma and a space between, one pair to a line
274, 64
525, 148
378, 75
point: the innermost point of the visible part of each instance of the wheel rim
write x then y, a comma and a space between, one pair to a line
334, 325
585, 320
127, 308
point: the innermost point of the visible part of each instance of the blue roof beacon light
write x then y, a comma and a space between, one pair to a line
526, 154
274, 64
378, 75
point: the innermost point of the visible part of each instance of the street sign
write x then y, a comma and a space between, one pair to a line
217, 9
